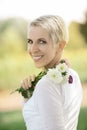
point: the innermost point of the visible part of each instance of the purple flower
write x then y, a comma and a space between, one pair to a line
70, 79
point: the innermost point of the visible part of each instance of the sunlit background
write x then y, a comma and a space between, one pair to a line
29, 9
15, 63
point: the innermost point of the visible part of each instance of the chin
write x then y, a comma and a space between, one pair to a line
39, 66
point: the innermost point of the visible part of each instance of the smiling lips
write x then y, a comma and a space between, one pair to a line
36, 58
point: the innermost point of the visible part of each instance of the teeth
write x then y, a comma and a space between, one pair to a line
37, 57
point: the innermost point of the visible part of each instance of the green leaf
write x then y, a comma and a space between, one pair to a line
28, 93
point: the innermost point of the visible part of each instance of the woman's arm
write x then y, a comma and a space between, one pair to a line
48, 100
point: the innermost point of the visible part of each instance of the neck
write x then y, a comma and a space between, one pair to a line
54, 62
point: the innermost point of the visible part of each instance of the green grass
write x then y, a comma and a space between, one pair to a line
13, 120
82, 124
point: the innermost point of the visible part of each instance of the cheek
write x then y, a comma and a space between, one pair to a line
51, 53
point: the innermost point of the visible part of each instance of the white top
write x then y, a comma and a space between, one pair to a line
53, 106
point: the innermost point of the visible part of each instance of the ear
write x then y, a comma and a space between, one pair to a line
62, 44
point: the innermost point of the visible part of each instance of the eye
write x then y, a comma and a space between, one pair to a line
42, 41
29, 41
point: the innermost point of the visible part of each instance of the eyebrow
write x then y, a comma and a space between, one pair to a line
28, 39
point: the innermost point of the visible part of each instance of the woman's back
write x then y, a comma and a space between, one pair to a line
54, 106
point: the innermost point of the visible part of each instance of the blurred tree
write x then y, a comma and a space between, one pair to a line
4, 24
83, 28
76, 39
18, 23
13, 35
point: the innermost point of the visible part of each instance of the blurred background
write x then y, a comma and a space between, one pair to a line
15, 63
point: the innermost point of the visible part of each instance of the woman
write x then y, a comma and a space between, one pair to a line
53, 105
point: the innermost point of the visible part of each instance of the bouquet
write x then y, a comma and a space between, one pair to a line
58, 75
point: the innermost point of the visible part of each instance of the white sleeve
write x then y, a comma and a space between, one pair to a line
24, 100
49, 104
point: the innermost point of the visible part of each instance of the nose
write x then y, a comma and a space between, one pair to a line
33, 48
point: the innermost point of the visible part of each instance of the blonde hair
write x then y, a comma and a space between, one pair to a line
55, 26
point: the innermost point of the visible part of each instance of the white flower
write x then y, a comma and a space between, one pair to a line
65, 78
59, 74
62, 67
55, 75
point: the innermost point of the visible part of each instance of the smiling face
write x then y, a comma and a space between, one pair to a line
41, 47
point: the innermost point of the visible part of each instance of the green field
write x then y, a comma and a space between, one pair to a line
78, 62
14, 121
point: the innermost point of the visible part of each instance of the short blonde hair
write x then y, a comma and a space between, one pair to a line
55, 26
